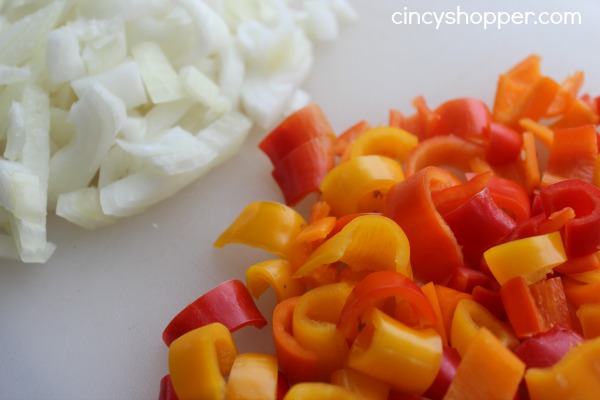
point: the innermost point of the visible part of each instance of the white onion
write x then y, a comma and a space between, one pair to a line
113, 106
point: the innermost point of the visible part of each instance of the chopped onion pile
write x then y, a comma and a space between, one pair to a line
111, 106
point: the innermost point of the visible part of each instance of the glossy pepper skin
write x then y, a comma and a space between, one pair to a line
406, 358
229, 303
581, 234
200, 360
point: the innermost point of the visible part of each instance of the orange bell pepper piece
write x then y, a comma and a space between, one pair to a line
253, 376
448, 299
314, 326
449, 151
579, 113
566, 95
580, 293
589, 317
267, 225
342, 146
199, 360
365, 386
276, 274
521, 308
410, 204
368, 242
574, 377
550, 299
406, 358
572, 155
469, 317
488, 370
429, 291
360, 184
544, 134
297, 362
308, 240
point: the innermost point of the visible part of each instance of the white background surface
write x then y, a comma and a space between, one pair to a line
88, 324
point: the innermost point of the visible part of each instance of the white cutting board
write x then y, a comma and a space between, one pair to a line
88, 324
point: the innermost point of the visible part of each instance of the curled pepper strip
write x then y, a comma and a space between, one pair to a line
469, 317
264, 224
406, 358
297, 363
373, 290
582, 233
199, 361
299, 127
386, 141
314, 326
302, 170
360, 184
253, 376
450, 151
308, 239
532, 258
466, 118
276, 274
410, 204
229, 303
368, 242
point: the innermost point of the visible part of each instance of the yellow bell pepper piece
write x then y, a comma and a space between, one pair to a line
488, 370
253, 376
276, 274
314, 326
406, 358
267, 225
532, 258
360, 184
469, 317
198, 361
320, 391
575, 377
368, 242
365, 386
386, 141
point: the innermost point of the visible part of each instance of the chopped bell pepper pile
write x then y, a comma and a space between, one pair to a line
442, 258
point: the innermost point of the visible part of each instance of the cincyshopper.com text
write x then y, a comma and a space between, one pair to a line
485, 19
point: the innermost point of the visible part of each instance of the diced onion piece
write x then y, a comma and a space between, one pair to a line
98, 116
82, 207
10, 74
161, 80
23, 38
63, 58
123, 80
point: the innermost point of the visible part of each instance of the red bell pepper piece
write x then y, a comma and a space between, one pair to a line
434, 251
466, 118
511, 197
479, 224
503, 145
449, 199
166, 389
466, 279
301, 151
546, 349
301, 171
491, 300
581, 235
299, 127
448, 367
296, 362
374, 289
229, 303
